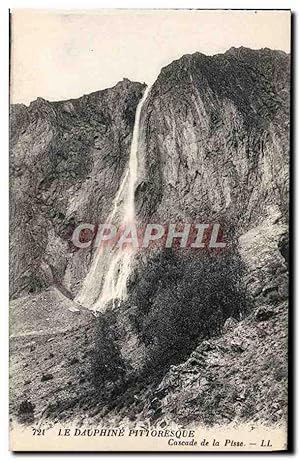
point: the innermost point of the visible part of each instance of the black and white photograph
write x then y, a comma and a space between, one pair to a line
149, 211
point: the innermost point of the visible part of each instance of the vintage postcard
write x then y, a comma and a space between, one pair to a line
149, 212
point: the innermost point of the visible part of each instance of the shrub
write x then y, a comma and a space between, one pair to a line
108, 364
183, 299
26, 412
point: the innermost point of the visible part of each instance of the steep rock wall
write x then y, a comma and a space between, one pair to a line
215, 139
67, 159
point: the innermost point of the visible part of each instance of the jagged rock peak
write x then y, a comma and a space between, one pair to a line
124, 84
258, 56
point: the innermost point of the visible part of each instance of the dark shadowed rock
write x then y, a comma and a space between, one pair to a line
264, 313
47, 377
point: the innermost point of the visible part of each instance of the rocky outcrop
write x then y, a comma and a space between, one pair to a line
239, 376
215, 148
215, 139
67, 159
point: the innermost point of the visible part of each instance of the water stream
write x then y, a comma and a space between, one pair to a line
106, 281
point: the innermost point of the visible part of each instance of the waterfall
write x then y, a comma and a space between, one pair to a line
107, 278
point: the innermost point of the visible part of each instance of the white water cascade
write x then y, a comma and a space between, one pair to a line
107, 278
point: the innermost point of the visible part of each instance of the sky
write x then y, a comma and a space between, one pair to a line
63, 54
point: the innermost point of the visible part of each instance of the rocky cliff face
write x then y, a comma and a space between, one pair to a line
67, 159
214, 138
214, 147
216, 133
